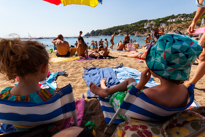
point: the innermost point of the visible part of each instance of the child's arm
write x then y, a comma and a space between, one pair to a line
145, 76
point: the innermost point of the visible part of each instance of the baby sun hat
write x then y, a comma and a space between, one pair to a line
172, 56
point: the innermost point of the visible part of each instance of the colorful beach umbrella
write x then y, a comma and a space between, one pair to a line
92, 3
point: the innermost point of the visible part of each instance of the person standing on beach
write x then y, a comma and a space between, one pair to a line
112, 40
200, 71
76, 43
106, 42
80, 33
63, 49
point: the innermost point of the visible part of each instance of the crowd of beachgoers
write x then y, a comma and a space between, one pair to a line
98, 50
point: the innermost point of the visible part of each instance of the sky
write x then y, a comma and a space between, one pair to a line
37, 18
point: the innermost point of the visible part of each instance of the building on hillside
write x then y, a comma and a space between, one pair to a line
148, 25
162, 25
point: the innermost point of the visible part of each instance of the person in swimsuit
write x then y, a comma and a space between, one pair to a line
126, 40
112, 40
101, 42
106, 42
120, 46
76, 43
146, 42
82, 48
140, 55
63, 49
200, 71
149, 38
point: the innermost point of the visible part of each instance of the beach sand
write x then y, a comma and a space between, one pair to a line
93, 111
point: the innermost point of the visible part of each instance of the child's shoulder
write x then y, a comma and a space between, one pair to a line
42, 95
36, 97
152, 92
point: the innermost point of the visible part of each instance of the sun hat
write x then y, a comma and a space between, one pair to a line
172, 56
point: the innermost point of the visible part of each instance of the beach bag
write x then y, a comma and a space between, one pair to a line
187, 123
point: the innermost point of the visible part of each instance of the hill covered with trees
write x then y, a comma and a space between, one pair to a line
143, 26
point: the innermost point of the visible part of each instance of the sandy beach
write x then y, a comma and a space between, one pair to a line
75, 72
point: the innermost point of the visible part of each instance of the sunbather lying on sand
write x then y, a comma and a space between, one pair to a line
171, 93
104, 52
94, 54
141, 55
100, 53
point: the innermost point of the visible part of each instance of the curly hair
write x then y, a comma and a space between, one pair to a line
19, 58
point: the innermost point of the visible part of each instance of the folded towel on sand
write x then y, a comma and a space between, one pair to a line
126, 72
50, 81
95, 75
61, 59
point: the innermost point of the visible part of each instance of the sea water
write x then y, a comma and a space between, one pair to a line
88, 40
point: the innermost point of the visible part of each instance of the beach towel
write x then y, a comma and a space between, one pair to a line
61, 59
126, 72
50, 81
95, 75
89, 58
141, 59
199, 31
118, 50
79, 104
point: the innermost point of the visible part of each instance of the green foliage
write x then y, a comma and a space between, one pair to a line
139, 26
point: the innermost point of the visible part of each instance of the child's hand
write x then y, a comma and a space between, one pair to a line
145, 76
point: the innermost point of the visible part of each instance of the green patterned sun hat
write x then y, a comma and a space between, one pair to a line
172, 56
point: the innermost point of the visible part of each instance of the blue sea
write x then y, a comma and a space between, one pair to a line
88, 40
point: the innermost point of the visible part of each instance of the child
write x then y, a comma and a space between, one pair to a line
27, 60
169, 60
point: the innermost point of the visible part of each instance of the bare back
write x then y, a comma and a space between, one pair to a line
62, 47
112, 37
170, 97
127, 38
81, 49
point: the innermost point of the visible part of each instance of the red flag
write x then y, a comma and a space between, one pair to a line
56, 2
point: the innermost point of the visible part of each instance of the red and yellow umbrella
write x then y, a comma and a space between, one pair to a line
92, 3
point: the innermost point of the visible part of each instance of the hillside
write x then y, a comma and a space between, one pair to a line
168, 24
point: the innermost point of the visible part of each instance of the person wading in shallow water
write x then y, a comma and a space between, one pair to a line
112, 40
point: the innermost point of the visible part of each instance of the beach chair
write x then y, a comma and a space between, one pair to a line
137, 105
61, 106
